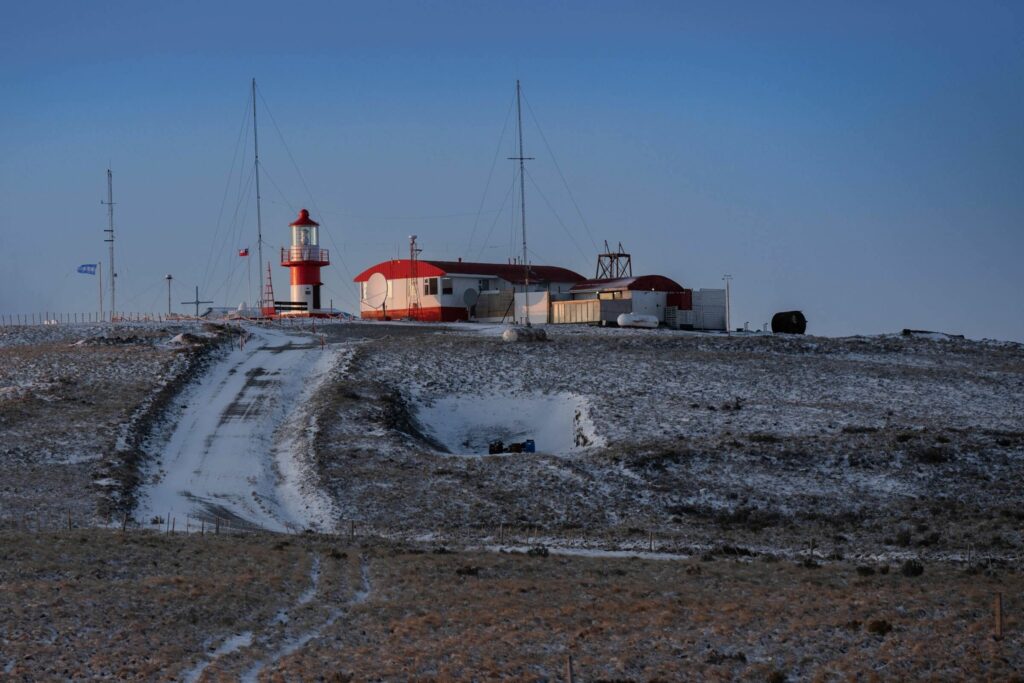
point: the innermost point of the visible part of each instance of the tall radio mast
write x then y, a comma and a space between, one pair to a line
522, 203
110, 238
259, 216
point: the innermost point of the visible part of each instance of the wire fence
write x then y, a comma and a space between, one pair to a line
611, 541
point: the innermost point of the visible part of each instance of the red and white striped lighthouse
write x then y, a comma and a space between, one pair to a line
304, 258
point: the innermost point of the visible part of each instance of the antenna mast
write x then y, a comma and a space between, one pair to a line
522, 203
259, 217
110, 238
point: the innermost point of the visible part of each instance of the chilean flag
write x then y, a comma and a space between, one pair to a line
243, 252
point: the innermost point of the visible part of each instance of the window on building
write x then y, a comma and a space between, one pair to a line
446, 285
430, 286
483, 285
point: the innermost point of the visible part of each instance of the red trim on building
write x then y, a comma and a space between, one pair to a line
436, 314
682, 300
647, 283
401, 269
304, 219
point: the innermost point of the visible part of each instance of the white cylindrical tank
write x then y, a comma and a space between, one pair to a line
636, 320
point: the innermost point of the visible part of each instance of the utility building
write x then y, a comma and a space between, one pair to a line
446, 291
605, 299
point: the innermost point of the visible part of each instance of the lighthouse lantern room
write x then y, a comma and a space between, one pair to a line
304, 258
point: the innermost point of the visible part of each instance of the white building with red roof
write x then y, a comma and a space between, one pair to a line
446, 291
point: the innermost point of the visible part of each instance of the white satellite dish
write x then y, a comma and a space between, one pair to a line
469, 297
376, 290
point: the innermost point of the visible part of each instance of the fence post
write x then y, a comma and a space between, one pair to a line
568, 669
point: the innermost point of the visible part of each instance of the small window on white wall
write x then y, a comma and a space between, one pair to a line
430, 286
446, 285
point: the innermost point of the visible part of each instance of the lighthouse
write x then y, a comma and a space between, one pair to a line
304, 258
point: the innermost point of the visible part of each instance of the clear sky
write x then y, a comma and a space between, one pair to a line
861, 161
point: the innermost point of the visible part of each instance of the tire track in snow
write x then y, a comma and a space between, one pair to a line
295, 643
234, 452
245, 639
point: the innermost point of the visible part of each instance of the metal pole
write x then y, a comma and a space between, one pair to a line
99, 281
259, 215
522, 201
728, 311
522, 206
110, 237
169, 277
248, 279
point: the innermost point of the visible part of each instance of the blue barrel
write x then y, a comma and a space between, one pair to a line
529, 446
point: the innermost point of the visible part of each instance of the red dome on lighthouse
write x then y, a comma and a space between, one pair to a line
304, 219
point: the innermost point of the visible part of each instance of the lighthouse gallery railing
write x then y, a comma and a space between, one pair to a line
296, 254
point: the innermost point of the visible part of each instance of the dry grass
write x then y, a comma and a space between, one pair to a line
90, 604
519, 617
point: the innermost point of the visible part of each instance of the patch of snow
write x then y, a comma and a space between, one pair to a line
559, 423
230, 644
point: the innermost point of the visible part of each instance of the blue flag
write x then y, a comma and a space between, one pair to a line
87, 268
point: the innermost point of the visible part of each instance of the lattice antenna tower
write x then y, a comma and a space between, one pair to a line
612, 265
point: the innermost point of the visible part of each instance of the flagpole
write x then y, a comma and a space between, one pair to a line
99, 280
248, 275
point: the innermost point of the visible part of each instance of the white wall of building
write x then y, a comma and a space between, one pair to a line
400, 296
539, 306
709, 309
649, 303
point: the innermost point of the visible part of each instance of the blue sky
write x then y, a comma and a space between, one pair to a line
859, 161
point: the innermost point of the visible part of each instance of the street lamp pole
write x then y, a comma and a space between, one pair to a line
168, 277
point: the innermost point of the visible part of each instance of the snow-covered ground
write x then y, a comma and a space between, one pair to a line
75, 403
878, 445
236, 453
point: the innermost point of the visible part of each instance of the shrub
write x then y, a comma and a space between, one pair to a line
912, 568
879, 627
932, 455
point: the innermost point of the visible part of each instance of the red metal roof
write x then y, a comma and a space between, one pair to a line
645, 283
399, 269
304, 219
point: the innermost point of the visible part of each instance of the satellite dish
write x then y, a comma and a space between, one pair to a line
469, 297
376, 290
